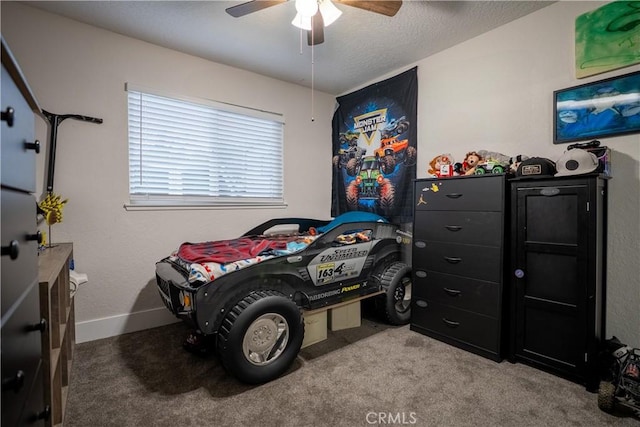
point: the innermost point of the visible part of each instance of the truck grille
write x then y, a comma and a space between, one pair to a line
164, 289
163, 285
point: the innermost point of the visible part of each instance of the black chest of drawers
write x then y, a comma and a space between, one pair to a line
457, 261
22, 367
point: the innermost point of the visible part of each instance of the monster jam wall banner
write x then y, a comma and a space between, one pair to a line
374, 148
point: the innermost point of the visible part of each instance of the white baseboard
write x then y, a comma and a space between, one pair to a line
106, 327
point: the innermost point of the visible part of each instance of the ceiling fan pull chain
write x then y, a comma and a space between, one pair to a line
301, 32
312, 70
312, 73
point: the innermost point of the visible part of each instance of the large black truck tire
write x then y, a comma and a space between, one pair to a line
260, 337
396, 280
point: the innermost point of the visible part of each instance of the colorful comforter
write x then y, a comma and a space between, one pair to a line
207, 261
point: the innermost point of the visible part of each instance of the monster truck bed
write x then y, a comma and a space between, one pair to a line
246, 294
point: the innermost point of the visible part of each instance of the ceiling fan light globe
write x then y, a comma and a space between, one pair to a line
302, 22
307, 8
329, 12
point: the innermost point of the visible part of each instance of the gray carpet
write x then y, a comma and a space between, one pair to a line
371, 375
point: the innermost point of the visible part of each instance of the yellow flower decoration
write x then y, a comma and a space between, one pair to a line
52, 207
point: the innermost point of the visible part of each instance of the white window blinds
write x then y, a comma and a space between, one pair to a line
184, 152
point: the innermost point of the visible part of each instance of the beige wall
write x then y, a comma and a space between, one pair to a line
80, 69
493, 92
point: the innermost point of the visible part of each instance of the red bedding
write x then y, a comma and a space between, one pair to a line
224, 251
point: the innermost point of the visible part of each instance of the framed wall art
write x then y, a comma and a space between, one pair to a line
605, 108
607, 38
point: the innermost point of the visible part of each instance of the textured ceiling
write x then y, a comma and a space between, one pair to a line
361, 46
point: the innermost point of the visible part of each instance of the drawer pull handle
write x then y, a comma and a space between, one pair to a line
13, 250
421, 274
454, 195
8, 116
14, 383
420, 244
45, 414
452, 292
452, 260
35, 146
40, 326
453, 227
450, 323
37, 237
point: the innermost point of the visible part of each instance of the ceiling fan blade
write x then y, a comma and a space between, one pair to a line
389, 8
251, 6
316, 35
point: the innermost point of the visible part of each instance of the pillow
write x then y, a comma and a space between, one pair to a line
280, 229
352, 216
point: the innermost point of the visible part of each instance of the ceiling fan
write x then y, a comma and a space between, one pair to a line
314, 15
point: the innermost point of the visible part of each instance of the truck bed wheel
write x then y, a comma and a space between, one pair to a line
260, 337
396, 279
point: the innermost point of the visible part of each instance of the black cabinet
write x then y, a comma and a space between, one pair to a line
457, 261
558, 277
22, 373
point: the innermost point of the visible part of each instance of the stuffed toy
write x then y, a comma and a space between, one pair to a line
470, 162
436, 164
515, 161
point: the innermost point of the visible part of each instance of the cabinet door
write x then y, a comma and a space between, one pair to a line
551, 232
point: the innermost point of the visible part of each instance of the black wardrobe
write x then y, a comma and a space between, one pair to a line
557, 285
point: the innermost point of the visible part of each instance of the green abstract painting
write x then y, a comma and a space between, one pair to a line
608, 38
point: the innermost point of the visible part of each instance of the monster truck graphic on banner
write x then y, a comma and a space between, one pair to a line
374, 148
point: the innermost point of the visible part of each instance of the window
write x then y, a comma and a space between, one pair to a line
197, 152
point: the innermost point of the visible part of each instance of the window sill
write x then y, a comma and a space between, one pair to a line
173, 207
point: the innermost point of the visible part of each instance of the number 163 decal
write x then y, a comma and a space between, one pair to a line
327, 272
